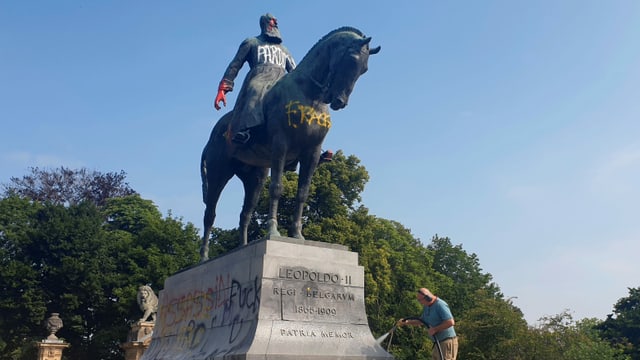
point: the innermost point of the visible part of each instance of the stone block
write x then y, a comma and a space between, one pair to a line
278, 298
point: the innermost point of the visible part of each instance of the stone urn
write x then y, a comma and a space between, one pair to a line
53, 324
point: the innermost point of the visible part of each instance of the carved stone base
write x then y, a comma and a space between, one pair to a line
141, 331
280, 298
51, 349
138, 340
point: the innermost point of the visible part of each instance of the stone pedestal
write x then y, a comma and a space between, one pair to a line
138, 340
51, 349
280, 298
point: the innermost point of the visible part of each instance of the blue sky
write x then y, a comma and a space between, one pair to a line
509, 126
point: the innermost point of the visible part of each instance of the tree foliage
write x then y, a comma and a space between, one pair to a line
491, 329
561, 337
84, 260
67, 186
83, 253
466, 274
622, 328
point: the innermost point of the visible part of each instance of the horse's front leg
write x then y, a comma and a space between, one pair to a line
308, 165
278, 151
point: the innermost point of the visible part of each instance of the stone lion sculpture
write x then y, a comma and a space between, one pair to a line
148, 302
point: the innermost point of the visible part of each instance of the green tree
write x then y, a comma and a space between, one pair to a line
86, 262
494, 329
590, 345
22, 306
622, 328
466, 274
561, 337
491, 329
68, 186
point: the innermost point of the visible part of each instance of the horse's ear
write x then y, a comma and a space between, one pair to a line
366, 41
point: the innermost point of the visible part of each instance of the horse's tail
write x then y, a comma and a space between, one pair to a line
203, 173
217, 133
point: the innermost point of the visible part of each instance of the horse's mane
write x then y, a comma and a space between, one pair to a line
341, 29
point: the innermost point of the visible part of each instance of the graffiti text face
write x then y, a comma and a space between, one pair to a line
299, 114
274, 55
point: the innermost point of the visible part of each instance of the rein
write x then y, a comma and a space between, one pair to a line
323, 87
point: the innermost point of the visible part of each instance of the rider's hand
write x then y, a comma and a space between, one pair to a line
220, 97
401, 322
224, 87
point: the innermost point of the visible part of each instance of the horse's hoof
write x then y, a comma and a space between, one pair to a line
273, 228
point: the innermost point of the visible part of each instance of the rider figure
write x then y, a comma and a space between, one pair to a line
268, 60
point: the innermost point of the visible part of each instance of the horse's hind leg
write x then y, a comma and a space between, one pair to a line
215, 183
253, 181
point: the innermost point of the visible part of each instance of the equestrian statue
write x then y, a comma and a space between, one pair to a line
292, 121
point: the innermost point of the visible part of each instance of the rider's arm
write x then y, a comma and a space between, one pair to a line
242, 56
226, 84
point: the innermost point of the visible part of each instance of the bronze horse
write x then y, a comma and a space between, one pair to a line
296, 121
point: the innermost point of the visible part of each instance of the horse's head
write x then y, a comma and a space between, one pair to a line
347, 63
